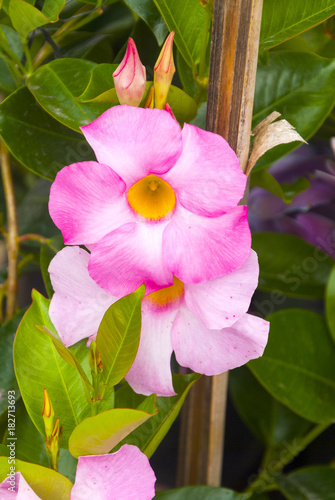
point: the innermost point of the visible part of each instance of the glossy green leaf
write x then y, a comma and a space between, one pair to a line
151, 433
183, 106
10, 43
8, 380
56, 86
281, 21
9, 80
271, 422
147, 10
4, 451
201, 493
46, 483
330, 303
35, 139
310, 483
26, 18
290, 266
186, 76
263, 179
101, 80
297, 366
119, 335
38, 366
187, 19
299, 85
101, 433
69, 358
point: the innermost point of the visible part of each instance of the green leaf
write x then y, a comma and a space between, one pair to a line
151, 433
119, 335
297, 366
46, 483
9, 80
201, 493
187, 19
56, 86
281, 21
271, 422
290, 266
69, 358
46, 255
35, 139
330, 303
186, 76
101, 433
147, 11
26, 18
263, 179
183, 106
310, 483
299, 85
101, 80
8, 380
38, 366
10, 43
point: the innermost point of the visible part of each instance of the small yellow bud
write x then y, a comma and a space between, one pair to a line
164, 70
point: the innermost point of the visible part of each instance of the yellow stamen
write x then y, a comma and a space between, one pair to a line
152, 197
167, 295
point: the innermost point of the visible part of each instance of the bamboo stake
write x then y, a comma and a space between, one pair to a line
232, 75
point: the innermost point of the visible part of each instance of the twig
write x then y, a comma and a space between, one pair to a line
12, 235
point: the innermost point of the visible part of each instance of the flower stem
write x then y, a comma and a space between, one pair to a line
266, 479
12, 235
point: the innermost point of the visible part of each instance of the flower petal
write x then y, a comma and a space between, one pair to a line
128, 257
135, 141
17, 488
124, 475
207, 177
198, 249
151, 370
87, 202
78, 304
215, 351
221, 302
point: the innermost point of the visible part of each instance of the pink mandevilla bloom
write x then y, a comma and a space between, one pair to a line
161, 202
205, 324
124, 475
130, 77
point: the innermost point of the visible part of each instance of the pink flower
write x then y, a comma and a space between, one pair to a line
161, 202
124, 475
16, 487
205, 324
130, 77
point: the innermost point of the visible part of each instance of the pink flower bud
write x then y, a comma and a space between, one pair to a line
129, 77
149, 103
164, 70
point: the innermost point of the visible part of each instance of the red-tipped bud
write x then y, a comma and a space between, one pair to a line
149, 102
164, 70
129, 77
48, 414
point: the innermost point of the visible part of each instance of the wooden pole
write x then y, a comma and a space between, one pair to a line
232, 75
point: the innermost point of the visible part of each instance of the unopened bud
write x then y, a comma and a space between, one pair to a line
149, 102
48, 415
164, 70
130, 76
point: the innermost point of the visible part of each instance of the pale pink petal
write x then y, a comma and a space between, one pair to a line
207, 177
87, 201
151, 370
128, 257
135, 141
124, 475
198, 249
15, 487
215, 351
78, 304
221, 302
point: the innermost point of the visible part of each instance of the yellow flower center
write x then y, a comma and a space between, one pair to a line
152, 197
167, 295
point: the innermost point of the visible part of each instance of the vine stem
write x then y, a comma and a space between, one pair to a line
265, 480
12, 235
